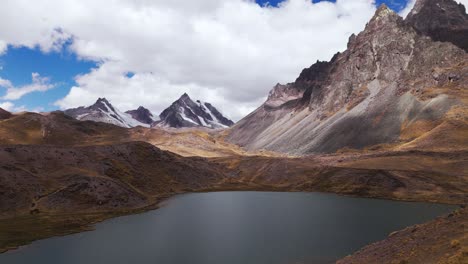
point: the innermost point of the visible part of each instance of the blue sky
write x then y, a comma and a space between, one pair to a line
62, 66
396, 5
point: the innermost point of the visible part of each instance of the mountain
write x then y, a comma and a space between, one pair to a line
186, 113
182, 113
441, 20
4, 114
142, 115
393, 86
103, 111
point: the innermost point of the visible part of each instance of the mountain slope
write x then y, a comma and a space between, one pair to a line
142, 115
103, 111
442, 240
389, 79
56, 128
47, 178
186, 113
4, 114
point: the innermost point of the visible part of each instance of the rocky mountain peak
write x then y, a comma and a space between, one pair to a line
442, 20
102, 100
383, 16
142, 115
102, 103
443, 5
185, 96
103, 111
184, 112
363, 95
383, 11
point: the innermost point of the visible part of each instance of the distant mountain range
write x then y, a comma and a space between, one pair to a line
103, 111
400, 83
182, 113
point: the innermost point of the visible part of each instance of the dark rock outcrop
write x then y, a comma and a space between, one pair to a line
217, 115
442, 20
142, 115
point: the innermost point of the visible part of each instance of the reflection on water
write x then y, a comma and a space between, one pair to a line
234, 228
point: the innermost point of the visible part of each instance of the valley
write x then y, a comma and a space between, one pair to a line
384, 119
104, 171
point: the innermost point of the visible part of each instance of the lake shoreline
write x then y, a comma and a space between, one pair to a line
87, 222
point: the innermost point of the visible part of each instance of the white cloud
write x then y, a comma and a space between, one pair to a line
3, 47
227, 52
5, 83
38, 84
7, 106
11, 107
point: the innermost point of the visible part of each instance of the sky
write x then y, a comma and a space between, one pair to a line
59, 54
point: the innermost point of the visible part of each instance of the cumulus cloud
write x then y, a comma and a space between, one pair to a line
38, 84
227, 52
7, 106
11, 107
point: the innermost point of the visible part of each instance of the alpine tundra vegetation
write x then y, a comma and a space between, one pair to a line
385, 118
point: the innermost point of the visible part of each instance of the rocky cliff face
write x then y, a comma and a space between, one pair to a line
390, 82
442, 20
186, 113
142, 115
104, 111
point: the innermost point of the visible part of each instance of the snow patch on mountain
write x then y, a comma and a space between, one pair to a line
186, 113
143, 115
103, 111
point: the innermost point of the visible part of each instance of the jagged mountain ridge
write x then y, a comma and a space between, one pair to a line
142, 115
103, 111
184, 112
392, 84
